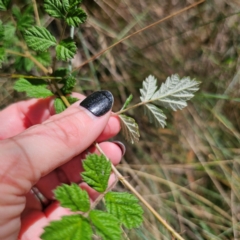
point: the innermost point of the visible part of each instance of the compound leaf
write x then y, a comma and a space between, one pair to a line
59, 105
125, 207
39, 38
97, 171
72, 227
34, 88
106, 225
4, 5
72, 197
129, 128
155, 115
66, 49
75, 17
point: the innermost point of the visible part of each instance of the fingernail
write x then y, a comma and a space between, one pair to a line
121, 145
98, 103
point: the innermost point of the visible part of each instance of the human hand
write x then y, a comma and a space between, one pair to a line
44, 150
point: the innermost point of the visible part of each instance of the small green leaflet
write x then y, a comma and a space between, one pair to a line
74, 227
127, 102
172, 94
67, 10
75, 17
72, 197
129, 128
125, 207
56, 8
66, 49
97, 172
69, 84
39, 38
24, 19
59, 105
106, 225
34, 88
4, 5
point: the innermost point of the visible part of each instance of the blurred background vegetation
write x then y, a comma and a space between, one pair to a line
189, 171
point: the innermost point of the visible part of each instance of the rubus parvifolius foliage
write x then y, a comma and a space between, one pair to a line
34, 50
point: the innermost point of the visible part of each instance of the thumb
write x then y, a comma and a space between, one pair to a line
42, 148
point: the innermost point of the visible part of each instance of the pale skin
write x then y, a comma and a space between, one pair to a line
38, 148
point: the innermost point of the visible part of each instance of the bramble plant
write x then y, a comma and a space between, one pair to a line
36, 48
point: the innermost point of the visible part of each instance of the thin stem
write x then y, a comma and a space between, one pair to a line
138, 31
36, 12
15, 53
30, 77
149, 207
134, 106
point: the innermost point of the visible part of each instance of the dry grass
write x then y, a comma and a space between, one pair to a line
189, 171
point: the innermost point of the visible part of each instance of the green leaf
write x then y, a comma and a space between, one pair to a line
66, 49
127, 102
9, 38
97, 171
59, 105
106, 225
24, 19
2, 55
125, 207
76, 16
39, 38
72, 100
72, 197
4, 5
22, 63
69, 84
34, 88
129, 128
73, 227
56, 8
1, 31
44, 58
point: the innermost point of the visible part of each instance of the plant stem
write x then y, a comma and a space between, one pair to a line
149, 207
138, 31
36, 12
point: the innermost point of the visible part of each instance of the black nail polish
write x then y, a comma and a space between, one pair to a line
122, 146
98, 103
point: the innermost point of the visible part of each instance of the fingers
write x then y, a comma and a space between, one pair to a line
70, 171
42, 148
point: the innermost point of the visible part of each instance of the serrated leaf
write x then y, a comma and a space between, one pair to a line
69, 84
72, 197
72, 227
76, 16
125, 207
66, 49
149, 88
39, 38
175, 92
4, 5
155, 115
22, 63
1, 31
129, 128
24, 19
59, 105
97, 172
9, 38
56, 8
33, 88
106, 225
